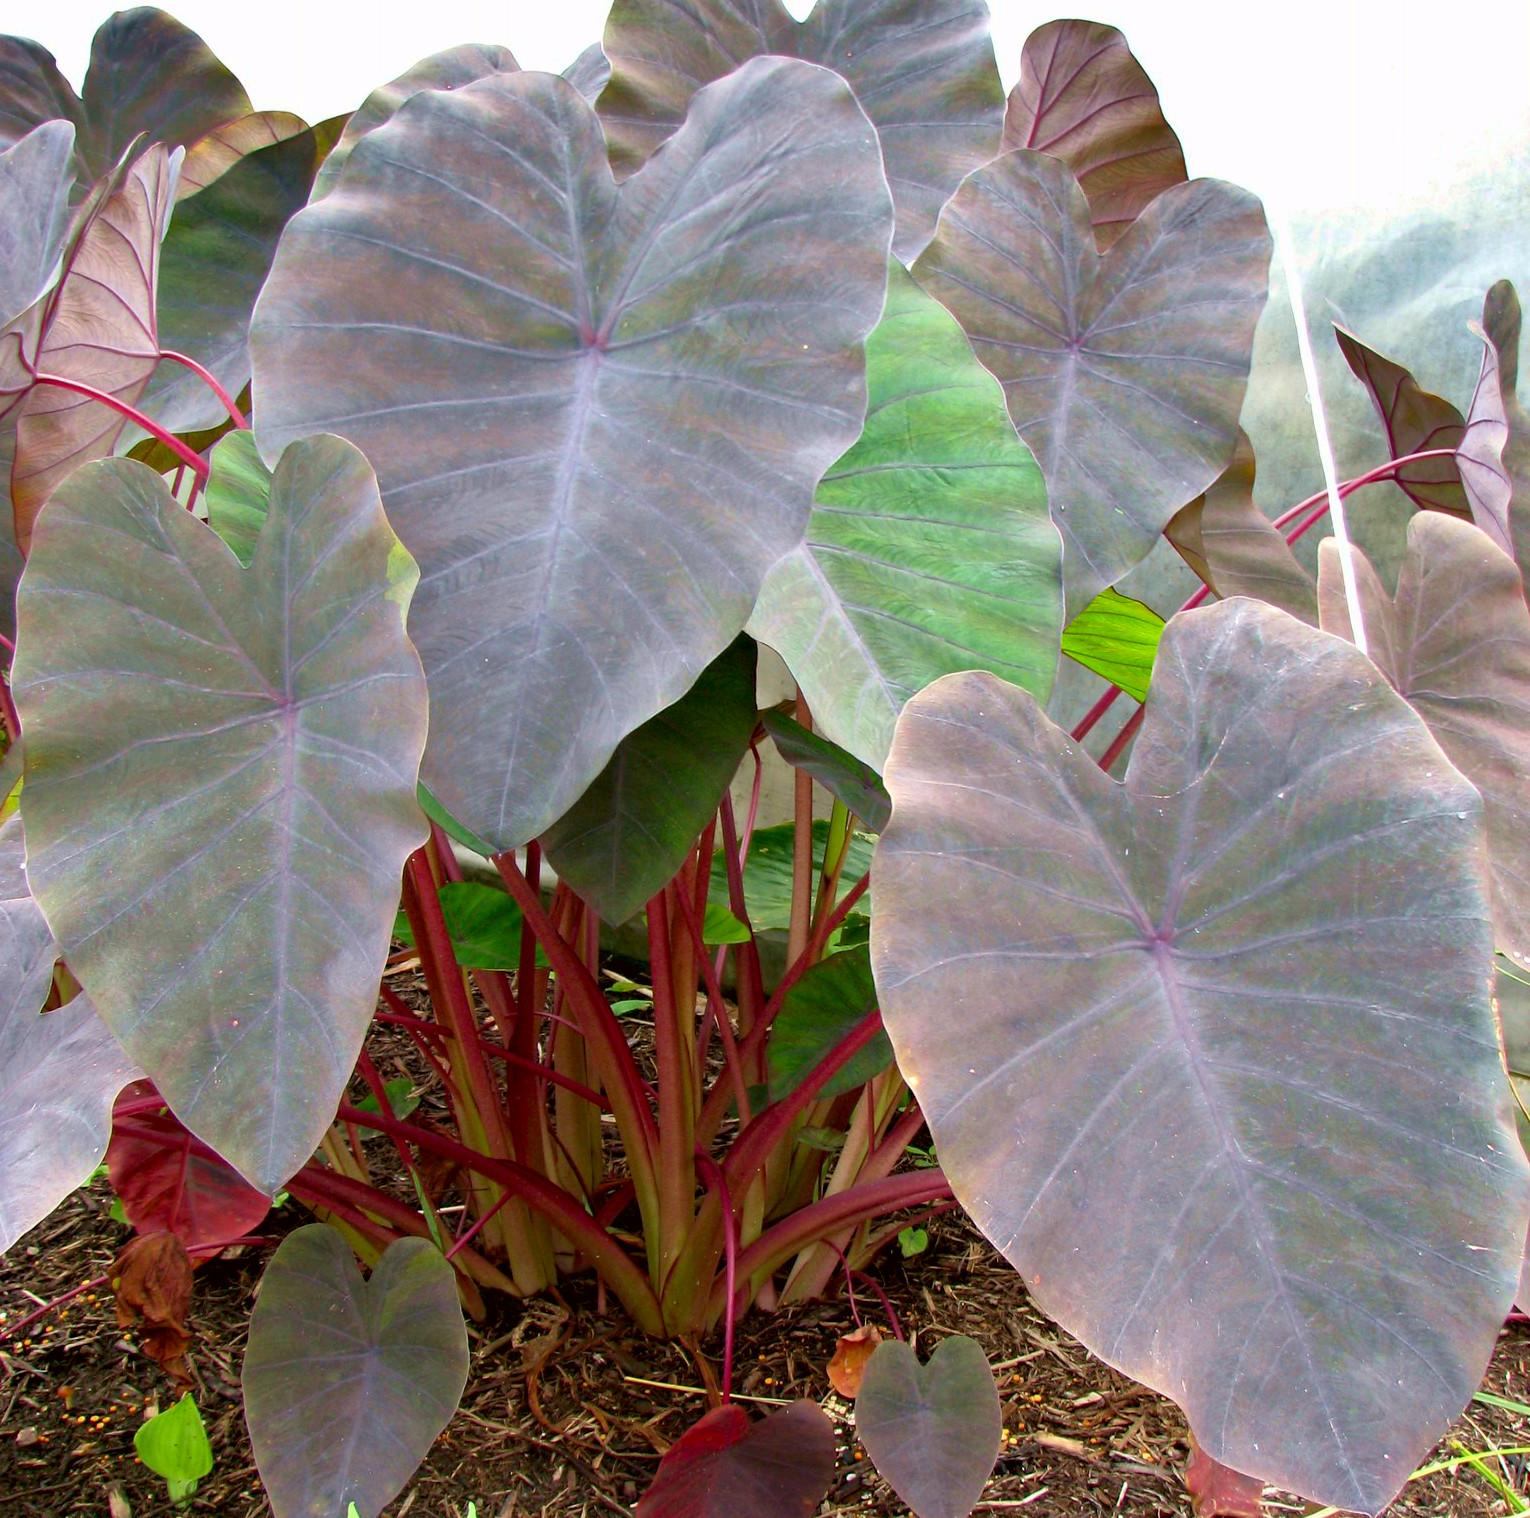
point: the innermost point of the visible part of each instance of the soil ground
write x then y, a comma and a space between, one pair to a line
567, 1410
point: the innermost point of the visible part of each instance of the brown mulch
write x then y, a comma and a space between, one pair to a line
567, 1410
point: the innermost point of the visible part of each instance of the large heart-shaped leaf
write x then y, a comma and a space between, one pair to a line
923, 69
220, 783
98, 330
933, 1430
148, 75
929, 549
1125, 372
441, 71
35, 177
724, 1466
628, 834
59, 1072
1083, 98
597, 416
1210, 1054
347, 1382
1455, 643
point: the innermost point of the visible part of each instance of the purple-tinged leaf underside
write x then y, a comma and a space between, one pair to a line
590, 72
220, 784
1124, 373
149, 75
347, 1382
1082, 97
1501, 323
98, 329
923, 70
35, 179
929, 549
447, 70
1455, 644
1235, 549
597, 415
59, 1071
933, 1431
1209, 1054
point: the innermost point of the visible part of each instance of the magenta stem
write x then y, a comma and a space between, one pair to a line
235, 415
1095, 712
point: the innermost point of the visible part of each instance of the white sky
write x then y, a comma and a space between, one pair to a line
1311, 103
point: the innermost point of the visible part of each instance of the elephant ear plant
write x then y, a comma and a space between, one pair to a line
394, 511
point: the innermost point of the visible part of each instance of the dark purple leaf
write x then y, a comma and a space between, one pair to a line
59, 1072
1218, 1491
923, 70
1414, 420
148, 75
441, 71
347, 1382
724, 1466
220, 784
99, 329
1455, 643
932, 1430
1083, 98
597, 416
1209, 1054
1125, 372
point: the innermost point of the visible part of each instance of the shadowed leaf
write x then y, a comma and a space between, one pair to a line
768, 873
1117, 638
623, 840
1209, 1054
347, 1382
148, 75
275, 719
238, 494
929, 549
845, 777
1413, 420
923, 70
170, 1182
1124, 373
819, 1010
1234, 548
1083, 98
441, 71
724, 1466
1218, 1491
933, 1430
59, 1072
1455, 643
99, 329
598, 416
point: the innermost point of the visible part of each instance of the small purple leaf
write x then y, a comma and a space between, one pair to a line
932, 1430
347, 1382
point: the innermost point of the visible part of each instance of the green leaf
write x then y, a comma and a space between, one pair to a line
828, 1140
929, 549
173, 1444
913, 1241
238, 493
402, 1098
449, 825
823, 1006
845, 777
721, 926
1117, 638
482, 922
246, 741
348, 1382
768, 873
631, 830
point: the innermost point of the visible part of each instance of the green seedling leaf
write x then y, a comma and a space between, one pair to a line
823, 1006
347, 1382
1455, 643
148, 75
1123, 376
924, 73
625, 838
932, 1430
1083, 98
174, 1444
605, 414
238, 493
913, 1241
243, 739
59, 1072
1117, 638
929, 549
768, 873
1164, 1064
845, 777
401, 1094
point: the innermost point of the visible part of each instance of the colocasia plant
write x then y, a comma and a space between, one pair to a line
395, 507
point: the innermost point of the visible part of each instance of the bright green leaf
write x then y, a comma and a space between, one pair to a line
173, 1444
1117, 638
